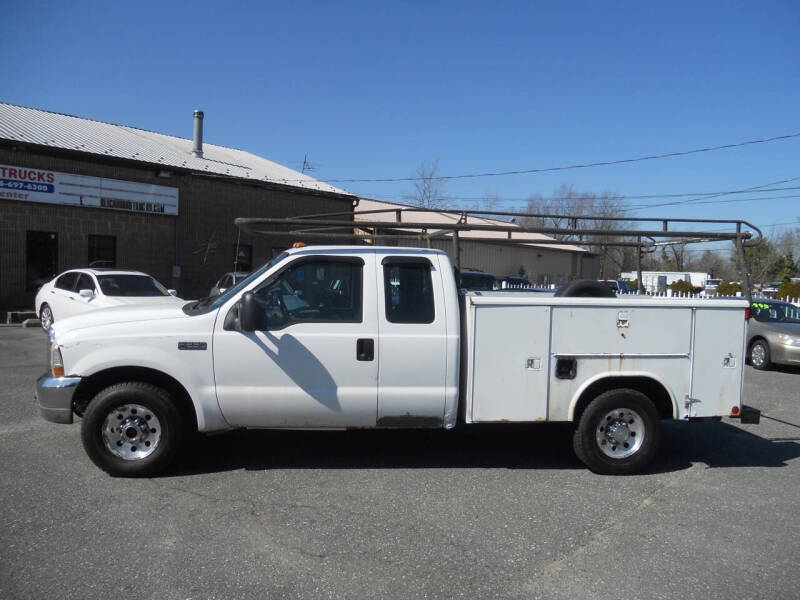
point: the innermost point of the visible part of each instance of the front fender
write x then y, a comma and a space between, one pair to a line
193, 369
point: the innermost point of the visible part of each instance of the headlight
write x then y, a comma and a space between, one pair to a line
56, 361
788, 340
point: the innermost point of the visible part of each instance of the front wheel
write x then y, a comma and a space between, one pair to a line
759, 355
618, 433
132, 429
46, 316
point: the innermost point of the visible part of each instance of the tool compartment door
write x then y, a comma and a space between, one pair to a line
718, 361
510, 363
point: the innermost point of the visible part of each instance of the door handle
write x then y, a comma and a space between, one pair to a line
365, 349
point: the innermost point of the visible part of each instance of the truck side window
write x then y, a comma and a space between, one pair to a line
409, 292
324, 290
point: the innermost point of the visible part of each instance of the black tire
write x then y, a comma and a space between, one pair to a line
633, 441
585, 288
759, 356
120, 417
46, 316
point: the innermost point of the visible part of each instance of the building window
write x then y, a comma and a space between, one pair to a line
243, 258
41, 258
102, 251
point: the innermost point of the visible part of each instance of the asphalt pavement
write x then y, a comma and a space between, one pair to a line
478, 512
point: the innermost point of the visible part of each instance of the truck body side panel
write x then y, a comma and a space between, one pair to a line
718, 361
692, 349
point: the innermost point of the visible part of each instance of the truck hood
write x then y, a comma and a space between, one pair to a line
121, 314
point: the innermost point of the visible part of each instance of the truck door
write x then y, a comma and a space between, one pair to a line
315, 364
413, 343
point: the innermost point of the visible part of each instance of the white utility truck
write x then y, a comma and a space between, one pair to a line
375, 337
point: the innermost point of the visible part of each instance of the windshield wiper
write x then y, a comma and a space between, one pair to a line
198, 304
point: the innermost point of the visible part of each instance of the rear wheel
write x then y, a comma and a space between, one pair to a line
759, 355
618, 433
132, 429
46, 316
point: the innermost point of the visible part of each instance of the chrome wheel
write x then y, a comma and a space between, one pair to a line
46, 317
131, 431
758, 355
620, 433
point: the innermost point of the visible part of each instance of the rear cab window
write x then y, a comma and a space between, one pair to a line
408, 290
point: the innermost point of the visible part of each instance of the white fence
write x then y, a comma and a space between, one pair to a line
670, 294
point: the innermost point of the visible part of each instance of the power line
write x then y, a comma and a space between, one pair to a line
756, 188
696, 202
621, 196
604, 163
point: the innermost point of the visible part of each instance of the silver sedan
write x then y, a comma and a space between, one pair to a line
773, 334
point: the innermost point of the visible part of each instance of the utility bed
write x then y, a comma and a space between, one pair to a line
531, 357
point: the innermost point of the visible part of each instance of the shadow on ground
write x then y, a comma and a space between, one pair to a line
717, 444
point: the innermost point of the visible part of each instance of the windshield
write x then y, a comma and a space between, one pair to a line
243, 283
131, 286
775, 312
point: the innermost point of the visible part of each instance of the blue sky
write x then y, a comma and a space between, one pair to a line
371, 90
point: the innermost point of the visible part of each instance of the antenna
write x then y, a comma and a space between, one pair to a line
306, 165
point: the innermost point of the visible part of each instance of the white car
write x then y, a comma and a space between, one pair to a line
80, 290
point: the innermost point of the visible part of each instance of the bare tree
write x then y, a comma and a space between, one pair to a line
428, 186
565, 203
711, 262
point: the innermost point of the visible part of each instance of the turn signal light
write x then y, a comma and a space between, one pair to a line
746, 314
58, 370
299, 245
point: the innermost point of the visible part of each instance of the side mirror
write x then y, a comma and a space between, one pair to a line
172, 292
248, 312
86, 293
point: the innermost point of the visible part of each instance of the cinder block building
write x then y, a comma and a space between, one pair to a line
76, 192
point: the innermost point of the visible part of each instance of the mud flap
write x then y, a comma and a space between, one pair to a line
750, 415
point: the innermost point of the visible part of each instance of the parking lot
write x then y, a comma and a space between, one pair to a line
477, 512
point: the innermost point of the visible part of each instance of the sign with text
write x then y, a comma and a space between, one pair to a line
51, 187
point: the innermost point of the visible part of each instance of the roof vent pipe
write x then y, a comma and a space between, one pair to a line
197, 140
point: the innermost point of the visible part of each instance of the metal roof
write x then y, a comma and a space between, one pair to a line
67, 132
409, 216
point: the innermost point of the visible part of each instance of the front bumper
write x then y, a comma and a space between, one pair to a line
785, 355
54, 396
